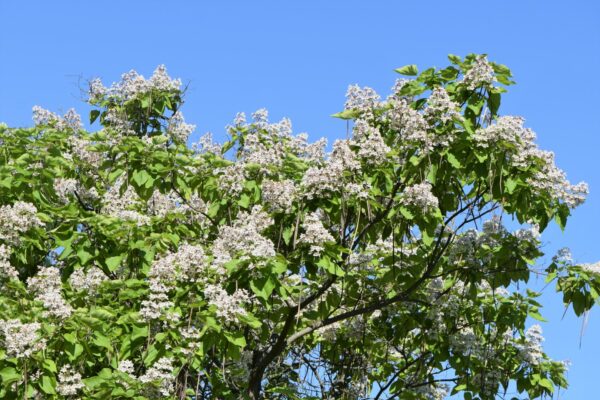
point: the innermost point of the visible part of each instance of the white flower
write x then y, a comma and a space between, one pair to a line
319, 181
122, 206
243, 240
161, 375
229, 306
592, 268
71, 120
127, 367
531, 351
87, 281
361, 99
69, 382
440, 106
178, 128
371, 146
420, 196
479, 74
21, 340
315, 235
232, 178
16, 220
7, 270
279, 195
47, 287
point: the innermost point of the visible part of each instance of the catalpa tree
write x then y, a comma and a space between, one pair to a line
135, 267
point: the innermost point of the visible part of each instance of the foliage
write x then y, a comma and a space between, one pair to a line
135, 267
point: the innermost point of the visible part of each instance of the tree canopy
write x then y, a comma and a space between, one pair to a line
393, 264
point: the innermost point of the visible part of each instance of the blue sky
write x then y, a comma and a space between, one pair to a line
296, 58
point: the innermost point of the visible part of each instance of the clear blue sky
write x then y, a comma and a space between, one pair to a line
296, 58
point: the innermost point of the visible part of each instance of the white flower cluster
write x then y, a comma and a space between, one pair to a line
118, 122
47, 287
531, 351
232, 178
81, 149
119, 205
508, 129
371, 147
361, 99
243, 240
161, 375
550, 179
6, 270
441, 107
410, 124
315, 234
16, 220
69, 381
160, 204
591, 268
267, 153
554, 181
318, 181
71, 120
433, 391
229, 306
133, 84
190, 262
420, 197
467, 343
279, 195
178, 128
21, 340
563, 256
191, 337
266, 143
187, 264
380, 250
127, 367
206, 145
66, 187
88, 281
479, 74
158, 302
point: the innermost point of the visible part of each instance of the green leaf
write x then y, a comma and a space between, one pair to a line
454, 59
494, 102
140, 177
287, 235
236, 338
347, 114
426, 238
453, 160
49, 365
113, 262
410, 70
9, 375
406, 213
102, 341
94, 114
84, 256
547, 384
511, 185
263, 287
244, 201
48, 384
330, 266
139, 332
536, 315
